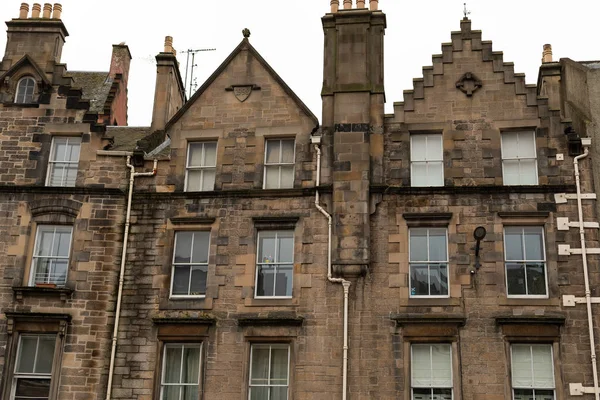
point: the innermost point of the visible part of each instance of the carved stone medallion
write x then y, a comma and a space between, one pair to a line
468, 84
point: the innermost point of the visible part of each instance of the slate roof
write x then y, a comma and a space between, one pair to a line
126, 137
95, 87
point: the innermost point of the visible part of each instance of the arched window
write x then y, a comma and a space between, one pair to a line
25, 89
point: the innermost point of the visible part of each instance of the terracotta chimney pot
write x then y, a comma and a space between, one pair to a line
35, 11
47, 10
57, 11
23, 11
335, 5
374, 5
347, 4
360, 3
168, 44
547, 54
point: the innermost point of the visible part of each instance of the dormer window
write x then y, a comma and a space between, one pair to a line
25, 89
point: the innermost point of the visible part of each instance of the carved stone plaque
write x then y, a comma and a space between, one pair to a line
242, 92
468, 84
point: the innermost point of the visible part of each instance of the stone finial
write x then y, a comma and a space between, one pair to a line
547, 54
246, 33
374, 5
347, 4
35, 11
360, 3
23, 11
168, 44
57, 11
47, 10
335, 5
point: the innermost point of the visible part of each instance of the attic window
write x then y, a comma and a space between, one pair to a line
25, 89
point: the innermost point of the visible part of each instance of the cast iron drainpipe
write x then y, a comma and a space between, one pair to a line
588, 298
345, 283
132, 176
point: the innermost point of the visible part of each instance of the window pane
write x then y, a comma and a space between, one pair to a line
513, 243
543, 367
438, 280
287, 177
172, 370
260, 365
73, 150
210, 154
418, 177
510, 145
265, 280
515, 277
45, 355
200, 254
191, 365
521, 365
421, 394
511, 173
194, 179
441, 365
523, 394
287, 151
62, 242
418, 149
279, 393
70, 176
273, 151
171, 392
526, 147
27, 351
536, 279
183, 247
435, 174
434, 147
418, 245
286, 247
533, 243
528, 172
58, 272
419, 280
544, 394
60, 150
283, 283
208, 183
45, 239
195, 155
437, 245
279, 366
42, 270
442, 394
259, 393
421, 365
266, 247
32, 389
198, 284
190, 392
272, 177
181, 280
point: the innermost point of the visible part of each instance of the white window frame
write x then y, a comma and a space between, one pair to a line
32, 278
512, 385
40, 376
412, 364
525, 296
279, 164
269, 385
25, 98
519, 159
190, 264
428, 136
258, 264
410, 262
52, 163
164, 367
202, 167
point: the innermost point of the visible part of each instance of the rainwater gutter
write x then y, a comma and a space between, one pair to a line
316, 140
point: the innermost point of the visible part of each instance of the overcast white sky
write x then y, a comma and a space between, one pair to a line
289, 35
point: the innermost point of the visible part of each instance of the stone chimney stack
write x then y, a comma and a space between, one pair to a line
24, 11
353, 112
57, 11
169, 94
547, 54
42, 39
47, 11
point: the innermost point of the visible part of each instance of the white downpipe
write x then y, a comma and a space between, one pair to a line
132, 176
345, 283
588, 298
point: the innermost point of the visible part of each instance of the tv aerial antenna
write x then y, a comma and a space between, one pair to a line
190, 68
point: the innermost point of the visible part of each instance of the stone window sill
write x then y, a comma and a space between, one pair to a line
22, 291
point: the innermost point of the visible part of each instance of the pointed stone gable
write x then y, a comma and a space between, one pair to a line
468, 80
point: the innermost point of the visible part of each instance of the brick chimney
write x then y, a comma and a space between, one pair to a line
119, 70
353, 111
169, 93
40, 37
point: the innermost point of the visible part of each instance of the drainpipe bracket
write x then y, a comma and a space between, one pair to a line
561, 198
572, 301
577, 389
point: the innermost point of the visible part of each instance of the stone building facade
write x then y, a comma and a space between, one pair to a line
239, 249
